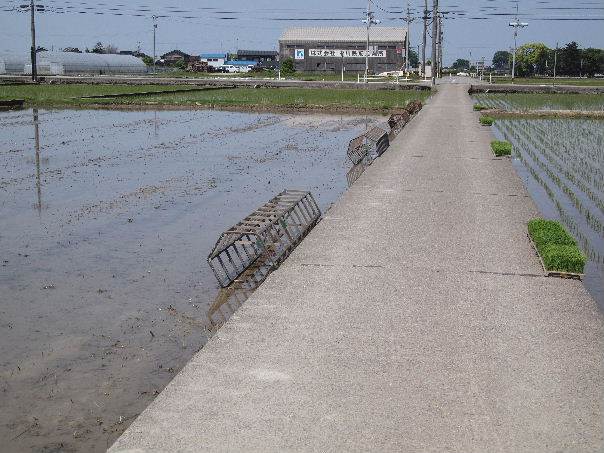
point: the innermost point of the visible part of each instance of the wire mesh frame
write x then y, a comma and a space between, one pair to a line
254, 247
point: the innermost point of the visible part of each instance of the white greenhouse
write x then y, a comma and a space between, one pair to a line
71, 63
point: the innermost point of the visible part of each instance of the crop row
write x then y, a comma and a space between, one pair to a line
580, 160
535, 101
550, 167
567, 219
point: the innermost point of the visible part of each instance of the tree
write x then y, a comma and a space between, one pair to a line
98, 48
413, 58
593, 61
460, 63
147, 60
532, 59
288, 67
72, 49
501, 60
569, 60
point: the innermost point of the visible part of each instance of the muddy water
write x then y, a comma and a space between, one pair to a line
106, 219
561, 162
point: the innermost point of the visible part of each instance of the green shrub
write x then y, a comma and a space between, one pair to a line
501, 148
479, 107
563, 258
486, 120
288, 67
557, 248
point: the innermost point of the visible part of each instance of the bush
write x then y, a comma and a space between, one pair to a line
486, 120
479, 107
288, 67
557, 248
501, 148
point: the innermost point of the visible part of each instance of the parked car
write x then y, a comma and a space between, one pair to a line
463, 74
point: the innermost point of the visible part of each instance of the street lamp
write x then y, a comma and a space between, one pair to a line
369, 21
516, 25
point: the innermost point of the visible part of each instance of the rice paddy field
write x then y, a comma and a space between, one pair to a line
561, 162
539, 101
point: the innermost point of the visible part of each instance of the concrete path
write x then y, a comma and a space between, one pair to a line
413, 318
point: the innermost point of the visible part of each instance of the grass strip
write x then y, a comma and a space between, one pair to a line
178, 95
480, 107
501, 148
487, 120
556, 247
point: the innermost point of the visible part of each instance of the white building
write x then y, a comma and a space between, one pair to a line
215, 60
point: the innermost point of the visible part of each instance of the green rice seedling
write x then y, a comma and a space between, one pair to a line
557, 248
479, 107
487, 120
563, 258
501, 148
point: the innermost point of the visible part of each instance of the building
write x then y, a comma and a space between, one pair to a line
214, 60
176, 56
260, 56
62, 63
328, 48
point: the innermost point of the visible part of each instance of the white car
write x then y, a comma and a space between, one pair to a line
463, 74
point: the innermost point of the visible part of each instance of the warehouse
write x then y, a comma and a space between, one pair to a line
61, 63
328, 48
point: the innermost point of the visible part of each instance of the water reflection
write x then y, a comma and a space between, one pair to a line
37, 150
229, 300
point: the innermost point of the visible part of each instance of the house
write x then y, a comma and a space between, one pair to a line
214, 60
175, 56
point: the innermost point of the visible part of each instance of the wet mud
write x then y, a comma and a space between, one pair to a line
106, 221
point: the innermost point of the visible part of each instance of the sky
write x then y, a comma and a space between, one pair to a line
474, 27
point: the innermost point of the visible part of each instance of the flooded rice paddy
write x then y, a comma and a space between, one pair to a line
107, 218
536, 101
561, 161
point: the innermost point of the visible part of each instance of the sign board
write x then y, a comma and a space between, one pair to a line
299, 54
340, 53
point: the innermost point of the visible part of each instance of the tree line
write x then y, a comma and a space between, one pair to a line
537, 59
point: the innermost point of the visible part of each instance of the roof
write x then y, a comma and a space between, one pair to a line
213, 55
241, 63
343, 34
263, 53
176, 52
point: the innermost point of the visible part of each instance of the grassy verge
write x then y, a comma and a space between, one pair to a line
487, 120
295, 98
549, 81
556, 246
501, 148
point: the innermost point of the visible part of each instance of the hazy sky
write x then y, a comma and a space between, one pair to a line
196, 26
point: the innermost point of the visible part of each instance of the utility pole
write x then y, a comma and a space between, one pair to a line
369, 21
434, 36
440, 46
516, 25
555, 62
424, 38
154, 30
34, 65
408, 20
